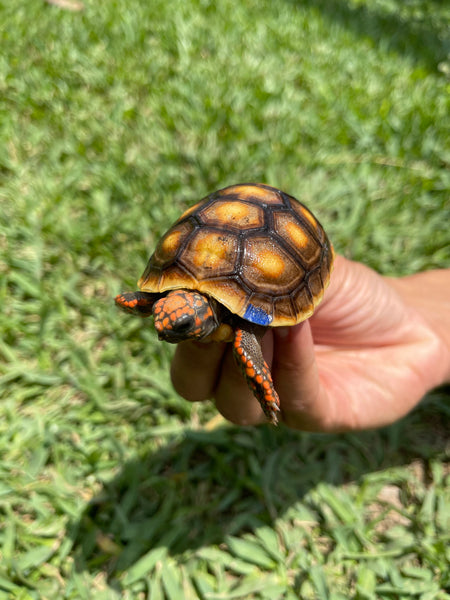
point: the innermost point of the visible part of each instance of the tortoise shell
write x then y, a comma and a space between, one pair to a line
253, 248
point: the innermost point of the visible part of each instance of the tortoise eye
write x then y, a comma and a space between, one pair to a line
183, 324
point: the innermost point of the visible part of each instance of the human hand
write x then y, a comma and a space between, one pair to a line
364, 359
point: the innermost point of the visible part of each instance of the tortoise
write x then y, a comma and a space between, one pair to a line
245, 258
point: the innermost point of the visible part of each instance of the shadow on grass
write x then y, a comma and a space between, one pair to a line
424, 36
196, 491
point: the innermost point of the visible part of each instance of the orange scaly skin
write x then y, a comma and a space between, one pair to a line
248, 355
168, 310
126, 303
184, 315
136, 303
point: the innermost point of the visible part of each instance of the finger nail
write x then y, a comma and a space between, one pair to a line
282, 332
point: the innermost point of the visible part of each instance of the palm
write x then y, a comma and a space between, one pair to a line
366, 347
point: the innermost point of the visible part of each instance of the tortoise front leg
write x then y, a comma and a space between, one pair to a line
137, 303
248, 354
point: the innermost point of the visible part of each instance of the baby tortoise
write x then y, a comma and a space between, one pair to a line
244, 258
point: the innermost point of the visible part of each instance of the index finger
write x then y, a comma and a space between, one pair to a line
196, 368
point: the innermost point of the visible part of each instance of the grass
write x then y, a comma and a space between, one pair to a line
114, 119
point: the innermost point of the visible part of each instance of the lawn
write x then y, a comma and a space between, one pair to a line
115, 118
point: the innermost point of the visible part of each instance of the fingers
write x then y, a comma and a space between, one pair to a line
195, 369
304, 402
234, 400
203, 371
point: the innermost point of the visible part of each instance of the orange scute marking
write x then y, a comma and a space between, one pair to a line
190, 210
253, 192
211, 251
307, 215
236, 214
170, 243
297, 235
270, 265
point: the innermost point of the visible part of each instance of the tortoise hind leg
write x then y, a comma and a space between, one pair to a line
248, 354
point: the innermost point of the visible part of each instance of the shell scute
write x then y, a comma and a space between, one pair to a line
232, 215
259, 193
211, 253
301, 243
266, 266
169, 246
285, 311
308, 220
171, 278
315, 284
304, 303
228, 291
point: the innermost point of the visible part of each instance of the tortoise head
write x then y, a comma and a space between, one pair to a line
184, 315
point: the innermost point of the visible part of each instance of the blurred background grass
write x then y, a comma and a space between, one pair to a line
113, 119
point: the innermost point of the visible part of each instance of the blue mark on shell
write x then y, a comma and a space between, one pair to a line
257, 315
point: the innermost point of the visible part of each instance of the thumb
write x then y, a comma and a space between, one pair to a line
304, 402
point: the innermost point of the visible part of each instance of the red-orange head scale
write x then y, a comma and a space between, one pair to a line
184, 315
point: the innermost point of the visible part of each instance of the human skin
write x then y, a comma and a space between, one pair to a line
373, 348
